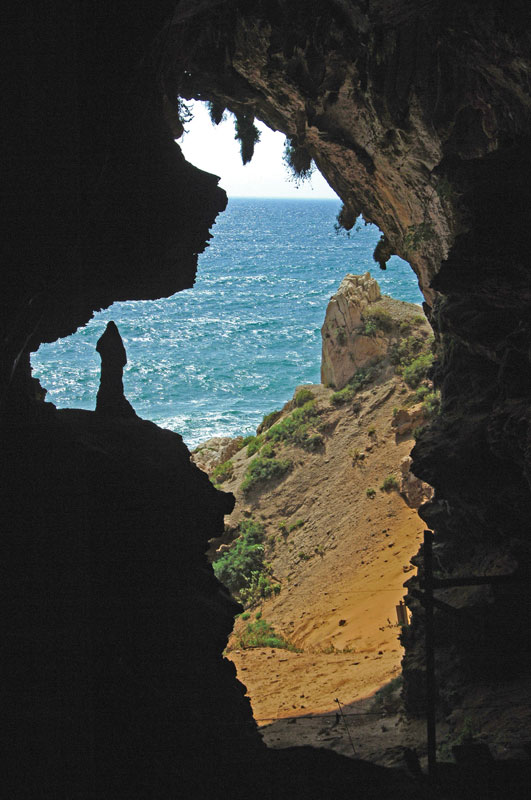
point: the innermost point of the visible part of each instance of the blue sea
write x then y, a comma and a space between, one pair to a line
212, 360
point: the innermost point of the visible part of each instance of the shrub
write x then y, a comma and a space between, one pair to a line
389, 484
341, 338
417, 370
263, 634
302, 397
268, 451
268, 420
362, 377
261, 470
371, 432
245, 615
294, 525
431, 404
381, 320
419, 319
371, 493
421, 392
295, 428
370, 328
259, 588
246, 555
222, 472
417, 432
304, 556
254, 444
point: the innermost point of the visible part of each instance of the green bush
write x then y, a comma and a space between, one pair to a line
261, 470
421, 392
295, 429
381, 319
259, 588
389, 484
263, 634
246, 555
431, 404
254, 444
222, 472
362, 377
370, 328
371, 493
294, 525
302, 397
268, 420
417, 370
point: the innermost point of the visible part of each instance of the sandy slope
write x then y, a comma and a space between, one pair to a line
342, 572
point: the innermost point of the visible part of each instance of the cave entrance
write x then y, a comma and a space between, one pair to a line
332, 546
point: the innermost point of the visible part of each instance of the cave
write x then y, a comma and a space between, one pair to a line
418, 115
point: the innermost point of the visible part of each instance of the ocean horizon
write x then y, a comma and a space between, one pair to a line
212, 360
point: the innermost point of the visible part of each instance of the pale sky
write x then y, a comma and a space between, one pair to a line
214, 149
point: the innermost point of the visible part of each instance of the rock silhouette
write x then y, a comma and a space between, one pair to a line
111, 400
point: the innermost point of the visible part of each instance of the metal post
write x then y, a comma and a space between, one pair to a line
430, 655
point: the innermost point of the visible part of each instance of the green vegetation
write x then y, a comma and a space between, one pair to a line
243, 568
223, 472
263, 634
371, 432
245, 615
341, 338
417, 370
294, 525
362, 377
431, 404
263, 469
417, 432
302, 397
371, 493
298, 162
269, 419
254, 444
295, 429
378, 320
247, 134
421, 392
389, 484
304, 556
419, 319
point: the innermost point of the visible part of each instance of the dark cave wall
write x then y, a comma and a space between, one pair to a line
418, 114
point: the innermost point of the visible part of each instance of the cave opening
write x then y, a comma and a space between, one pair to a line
419, 117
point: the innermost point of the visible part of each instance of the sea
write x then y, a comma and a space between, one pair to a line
214, 359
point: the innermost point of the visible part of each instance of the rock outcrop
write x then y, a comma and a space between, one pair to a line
215, 451
345, 347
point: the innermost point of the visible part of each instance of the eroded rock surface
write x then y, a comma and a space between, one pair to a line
345, 347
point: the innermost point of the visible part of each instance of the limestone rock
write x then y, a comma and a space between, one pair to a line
412, 488
344, 347
215, 451
407, 419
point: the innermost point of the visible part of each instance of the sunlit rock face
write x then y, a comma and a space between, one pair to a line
344, 347
418, 116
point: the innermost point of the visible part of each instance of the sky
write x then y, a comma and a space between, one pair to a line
214, 149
